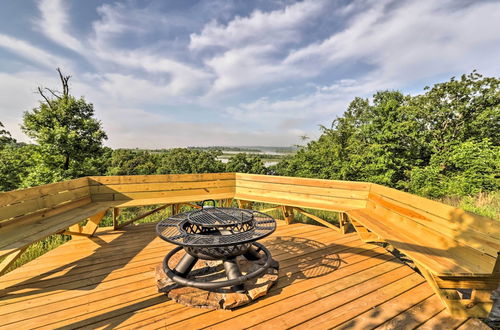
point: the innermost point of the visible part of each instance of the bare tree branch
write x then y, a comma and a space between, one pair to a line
53, 92
64, 81
40, 91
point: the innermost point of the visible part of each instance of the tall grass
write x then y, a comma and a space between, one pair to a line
485, 204
37, 249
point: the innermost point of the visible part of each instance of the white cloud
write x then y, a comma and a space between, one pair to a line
100, 51
306, 110
415, 39
116, 21
126, 89
253, 46
263, 76
276, 27
32, 53
54, 24
17, 94
400, 45
182, 78
242, 67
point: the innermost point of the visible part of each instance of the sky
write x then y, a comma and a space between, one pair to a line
164, 74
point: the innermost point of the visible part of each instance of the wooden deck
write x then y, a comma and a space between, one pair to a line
326, 280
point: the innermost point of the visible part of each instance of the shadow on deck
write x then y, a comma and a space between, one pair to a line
326, 280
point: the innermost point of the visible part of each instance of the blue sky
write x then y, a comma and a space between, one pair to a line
196, 73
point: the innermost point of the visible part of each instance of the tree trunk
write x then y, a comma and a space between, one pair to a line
66, 163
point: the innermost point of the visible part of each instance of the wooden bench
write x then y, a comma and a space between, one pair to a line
29, 215
453, 249
329, 195
141, 190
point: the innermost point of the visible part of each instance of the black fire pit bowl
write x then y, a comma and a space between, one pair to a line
213, 233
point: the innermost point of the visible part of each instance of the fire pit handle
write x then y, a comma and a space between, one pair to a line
208, 206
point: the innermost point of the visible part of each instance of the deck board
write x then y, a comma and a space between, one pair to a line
326, 280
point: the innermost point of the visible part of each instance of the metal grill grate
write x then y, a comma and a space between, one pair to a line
213, 217
216, 227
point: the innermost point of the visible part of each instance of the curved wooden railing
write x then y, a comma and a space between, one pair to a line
452, 248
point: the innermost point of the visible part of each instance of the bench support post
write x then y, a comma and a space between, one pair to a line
176, 208
287, 212
479, 304
343, 222
244, 204
496, 268
91, 226
116, 213
128, 222
317, 219
9, 260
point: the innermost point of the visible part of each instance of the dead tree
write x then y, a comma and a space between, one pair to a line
57, 94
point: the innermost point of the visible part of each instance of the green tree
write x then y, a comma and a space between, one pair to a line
245, 163
16, 163
440, 142
69, 136
373, 142
460, 110
5, 137
131, 162
464, 169
180, 160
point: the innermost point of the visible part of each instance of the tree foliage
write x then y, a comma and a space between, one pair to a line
172, 161
181, 160
16, 164
65, 129
443, 142
464, 169
5, 137
245, 163
131, 162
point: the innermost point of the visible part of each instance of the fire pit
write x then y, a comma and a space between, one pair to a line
217, 233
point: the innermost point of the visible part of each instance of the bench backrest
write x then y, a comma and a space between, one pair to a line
302, 192
30, 214
34, 204
31, 206
478, 232
162, 189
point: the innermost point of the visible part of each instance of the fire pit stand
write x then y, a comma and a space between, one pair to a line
213, 233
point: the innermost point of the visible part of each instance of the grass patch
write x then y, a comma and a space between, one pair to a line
329, 216
37, 249
485, 204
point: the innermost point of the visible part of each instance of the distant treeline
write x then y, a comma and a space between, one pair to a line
254, 149
243, 149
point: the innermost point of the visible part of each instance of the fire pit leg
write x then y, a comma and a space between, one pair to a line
185, 265
252, 254
232, 272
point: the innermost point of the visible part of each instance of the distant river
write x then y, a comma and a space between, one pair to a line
266, 163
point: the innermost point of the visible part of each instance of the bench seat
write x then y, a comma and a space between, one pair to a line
453, 249
441, 255
12, 239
